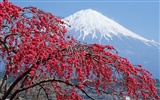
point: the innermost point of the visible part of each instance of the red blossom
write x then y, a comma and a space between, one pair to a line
36, 52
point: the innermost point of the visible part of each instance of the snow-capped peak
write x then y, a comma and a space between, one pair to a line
91, 22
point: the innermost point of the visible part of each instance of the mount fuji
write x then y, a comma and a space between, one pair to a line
90, 26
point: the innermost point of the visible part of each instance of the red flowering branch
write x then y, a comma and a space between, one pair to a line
36, 51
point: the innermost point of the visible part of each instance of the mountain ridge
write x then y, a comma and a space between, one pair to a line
98, 22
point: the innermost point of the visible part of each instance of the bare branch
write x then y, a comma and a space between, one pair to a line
44, 91
3, 81
8, 37
38, 93
15, 83
49, 80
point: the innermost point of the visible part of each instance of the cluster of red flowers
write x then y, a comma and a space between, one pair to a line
34, 44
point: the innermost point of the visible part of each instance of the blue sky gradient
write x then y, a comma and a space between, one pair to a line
139, 16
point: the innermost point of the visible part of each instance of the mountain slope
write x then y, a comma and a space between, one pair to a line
92, 27
92, 22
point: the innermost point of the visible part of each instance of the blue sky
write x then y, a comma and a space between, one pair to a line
139, 16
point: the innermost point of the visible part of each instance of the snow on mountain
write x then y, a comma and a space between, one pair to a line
92, 27
91, 22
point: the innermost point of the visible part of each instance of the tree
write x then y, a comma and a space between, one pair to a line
38, 54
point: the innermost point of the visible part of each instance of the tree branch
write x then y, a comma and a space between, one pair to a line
15, 83
24, 81
44, 91
3, 81
38, 93
50, 80
111, 93
8, 36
